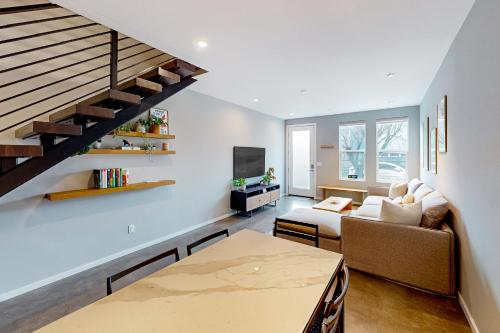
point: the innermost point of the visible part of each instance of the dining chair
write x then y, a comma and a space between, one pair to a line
297, 229
332, 320
127, 271
206, 239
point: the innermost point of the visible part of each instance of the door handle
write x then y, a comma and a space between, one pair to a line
312, 168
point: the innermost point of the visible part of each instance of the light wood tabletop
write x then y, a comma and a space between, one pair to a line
249, 282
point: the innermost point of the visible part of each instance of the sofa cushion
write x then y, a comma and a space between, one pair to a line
422, 191
409, 198
370, 211
397, 190
435, 208
405, 214
413, 185
374, 200
328, 222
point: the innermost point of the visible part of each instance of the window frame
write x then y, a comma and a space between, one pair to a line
361, 122
392, 120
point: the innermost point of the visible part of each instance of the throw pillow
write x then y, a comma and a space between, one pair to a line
398, 200
397, 190
422, 191
435, 208
434, 217
406, 214
413, 185
408, 199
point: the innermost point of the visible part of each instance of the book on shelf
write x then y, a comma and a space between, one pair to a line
110, 178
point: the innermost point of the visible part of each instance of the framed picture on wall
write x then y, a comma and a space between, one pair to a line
433, 150
163, 115
442, 123
424, 129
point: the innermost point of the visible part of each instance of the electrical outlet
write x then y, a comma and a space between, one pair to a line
131, 228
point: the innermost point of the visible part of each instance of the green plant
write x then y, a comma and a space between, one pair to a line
83, 151
156, 121
144, 122
148, 147
127, 127
239, 182
266, 179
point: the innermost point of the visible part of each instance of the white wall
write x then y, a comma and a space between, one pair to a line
40, 239
469, 173
327, 132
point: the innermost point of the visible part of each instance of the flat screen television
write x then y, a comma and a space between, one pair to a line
248, 162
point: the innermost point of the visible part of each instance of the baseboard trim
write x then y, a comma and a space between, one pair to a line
468, 315
54, 278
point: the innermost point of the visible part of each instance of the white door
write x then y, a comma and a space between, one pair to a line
301, 160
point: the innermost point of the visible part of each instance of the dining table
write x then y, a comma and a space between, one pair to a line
248, 282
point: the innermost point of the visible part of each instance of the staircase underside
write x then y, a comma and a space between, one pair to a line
52, 155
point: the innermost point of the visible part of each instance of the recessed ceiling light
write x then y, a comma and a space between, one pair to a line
390, 102
303, 92
291, 114
255, 100
202, 44
389, 75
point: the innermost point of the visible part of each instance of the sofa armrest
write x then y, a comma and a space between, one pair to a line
420, 257
378, 190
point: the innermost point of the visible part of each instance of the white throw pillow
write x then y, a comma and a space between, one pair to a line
422, 191
408, 199
413, 185
398, 200
432, 200
406, 214
397, 190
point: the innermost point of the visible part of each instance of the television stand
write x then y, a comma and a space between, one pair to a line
253, 197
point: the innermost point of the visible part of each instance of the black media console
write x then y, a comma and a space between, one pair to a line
254, 196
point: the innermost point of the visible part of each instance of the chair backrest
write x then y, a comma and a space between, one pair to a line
297, 229
206, 239
121, 274
333, 314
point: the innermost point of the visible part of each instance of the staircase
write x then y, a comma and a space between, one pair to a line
81, 124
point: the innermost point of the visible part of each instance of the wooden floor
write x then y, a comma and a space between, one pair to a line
372, 304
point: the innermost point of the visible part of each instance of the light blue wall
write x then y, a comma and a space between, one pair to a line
327, 132
41, 240
468, 174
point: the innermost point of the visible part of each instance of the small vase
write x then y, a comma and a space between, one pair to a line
243, 187
140, 128
155, 129
97, 144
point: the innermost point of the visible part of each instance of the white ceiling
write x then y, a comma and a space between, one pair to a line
338, 50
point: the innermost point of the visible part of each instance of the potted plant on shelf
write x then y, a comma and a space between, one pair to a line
141, 125
155, 125
240, 183
266, 180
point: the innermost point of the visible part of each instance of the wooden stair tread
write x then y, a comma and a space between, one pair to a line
181, 67
21, 151
141, 85
41, 127
163, 76
115, 95
91, 111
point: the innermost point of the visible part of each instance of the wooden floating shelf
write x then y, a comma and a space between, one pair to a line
144, 135
130, 152
102, 191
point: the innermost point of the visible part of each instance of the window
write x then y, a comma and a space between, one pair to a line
352, 144
392, 150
